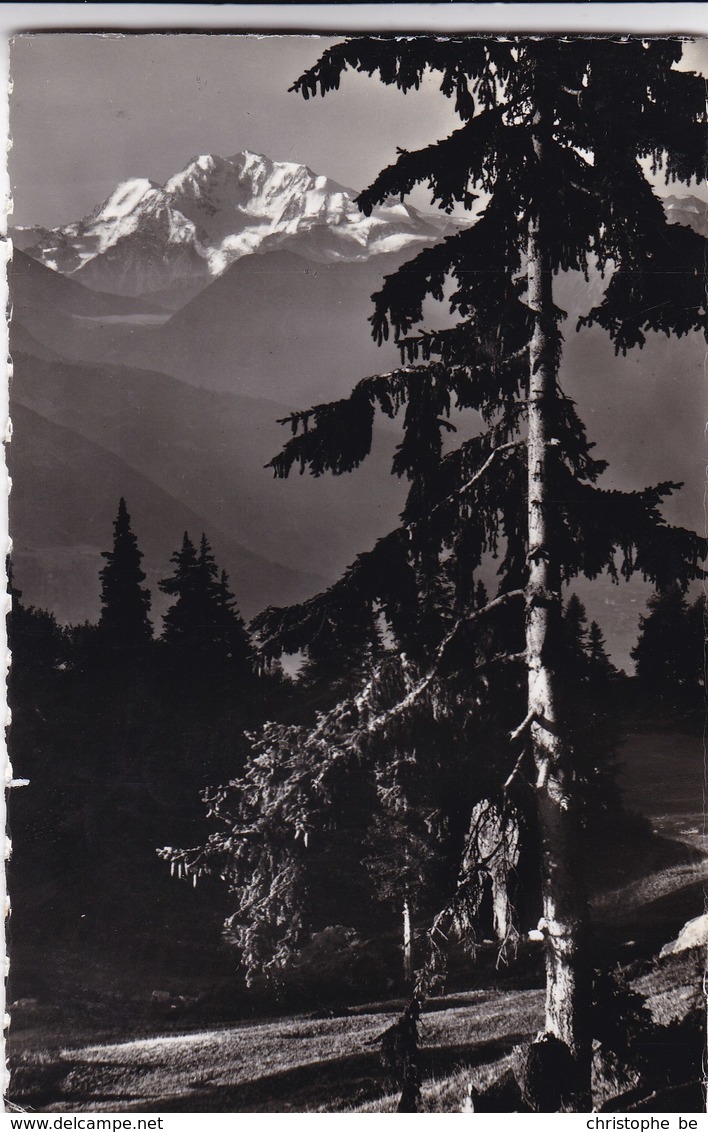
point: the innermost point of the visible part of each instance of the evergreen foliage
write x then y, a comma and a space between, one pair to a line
540, 136
553, 130
669, 653
181, 621
37, 644
230, 634
585, 661
599, 665
293, 783
106, 785
203, 626
124, 625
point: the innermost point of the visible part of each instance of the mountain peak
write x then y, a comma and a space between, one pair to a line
198, 168
217, 209
249, 157
125, 198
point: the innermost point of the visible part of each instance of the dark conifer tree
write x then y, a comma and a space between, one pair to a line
666, 653
206, 602
553, 131
37, 643
124, 625
181, 618
600, 668
230, 634
204, 624
542, 134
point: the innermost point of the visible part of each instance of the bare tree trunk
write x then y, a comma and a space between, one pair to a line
407, 944
564, 908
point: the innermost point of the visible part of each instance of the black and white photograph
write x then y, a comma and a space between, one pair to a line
357, 620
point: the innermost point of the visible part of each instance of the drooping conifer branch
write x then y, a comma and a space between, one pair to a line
508, 447
622, 533
336, 437
379, 722
488, 253
491, 853
466, 155
464, 63
660, 286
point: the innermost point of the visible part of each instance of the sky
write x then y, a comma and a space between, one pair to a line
90, 110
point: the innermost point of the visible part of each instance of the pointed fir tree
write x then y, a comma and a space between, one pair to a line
600, 668
206, 594
666, 654
180, 620
553, 131
231, 638
204, 625
190, 623
124, 626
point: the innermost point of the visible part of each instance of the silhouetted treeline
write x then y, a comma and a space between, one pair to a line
119, 732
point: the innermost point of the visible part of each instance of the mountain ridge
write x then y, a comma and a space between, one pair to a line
61, 516
207, 451
145, 237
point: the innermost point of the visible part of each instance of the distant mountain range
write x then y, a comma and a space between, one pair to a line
274, 325
65, 490
177, 236
157, 342
688, 210
190, 459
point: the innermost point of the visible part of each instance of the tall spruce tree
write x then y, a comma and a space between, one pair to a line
124, 625
554, 130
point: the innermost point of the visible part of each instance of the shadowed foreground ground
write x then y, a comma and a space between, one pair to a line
292, 1065
63, 1060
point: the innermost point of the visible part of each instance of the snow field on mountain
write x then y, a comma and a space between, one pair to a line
218, 210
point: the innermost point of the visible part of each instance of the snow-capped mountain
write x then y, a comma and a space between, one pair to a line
688, 210
147, 237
